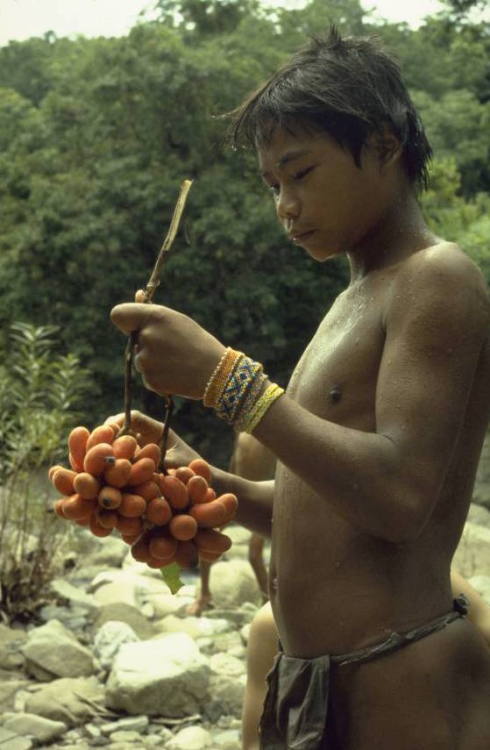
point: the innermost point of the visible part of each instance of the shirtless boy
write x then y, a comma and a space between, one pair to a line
379, 433
262, 647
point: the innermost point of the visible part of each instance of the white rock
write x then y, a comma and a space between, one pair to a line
43, 730
224, 664
227, 740
482, 585
125, 735
71, 701
472, 557
167, 676
109, 639
11, 741
234, 583
191, 738
225, 696
127, 723
196, 627
72, 594
109, 551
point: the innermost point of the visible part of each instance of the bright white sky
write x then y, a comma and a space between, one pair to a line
21, 19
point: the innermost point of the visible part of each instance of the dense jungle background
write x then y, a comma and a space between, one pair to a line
96, 136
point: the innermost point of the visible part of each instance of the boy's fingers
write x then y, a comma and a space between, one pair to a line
130, 316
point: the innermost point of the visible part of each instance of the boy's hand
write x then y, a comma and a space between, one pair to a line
149, 430
174, 354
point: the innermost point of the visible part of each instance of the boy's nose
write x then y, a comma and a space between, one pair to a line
287, 208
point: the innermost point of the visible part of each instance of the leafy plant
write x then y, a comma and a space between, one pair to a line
39, 391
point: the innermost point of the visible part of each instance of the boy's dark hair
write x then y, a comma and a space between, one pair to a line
349, 88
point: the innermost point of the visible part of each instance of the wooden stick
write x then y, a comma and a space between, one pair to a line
154, 280
150, 288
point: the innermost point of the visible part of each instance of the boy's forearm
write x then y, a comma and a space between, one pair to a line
359, 473
254, 500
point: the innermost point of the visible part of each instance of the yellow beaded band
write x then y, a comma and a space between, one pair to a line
237, 387
271, 394
218, 380
251, 397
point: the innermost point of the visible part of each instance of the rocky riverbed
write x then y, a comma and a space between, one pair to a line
118, 663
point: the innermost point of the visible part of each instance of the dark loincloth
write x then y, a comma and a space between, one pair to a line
296, 704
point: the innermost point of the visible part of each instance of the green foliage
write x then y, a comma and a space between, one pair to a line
97, 134
450, 216
39, 391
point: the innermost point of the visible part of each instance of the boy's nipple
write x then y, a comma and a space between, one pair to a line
335, 394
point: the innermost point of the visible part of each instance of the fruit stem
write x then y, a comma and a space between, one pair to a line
149, 291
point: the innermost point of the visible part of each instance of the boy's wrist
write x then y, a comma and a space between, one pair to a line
239, 391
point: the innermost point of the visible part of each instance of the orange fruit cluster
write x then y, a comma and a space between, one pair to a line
115, 484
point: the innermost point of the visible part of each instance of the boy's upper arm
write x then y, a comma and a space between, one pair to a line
436, 323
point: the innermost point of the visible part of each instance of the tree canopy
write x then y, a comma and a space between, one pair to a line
97, 134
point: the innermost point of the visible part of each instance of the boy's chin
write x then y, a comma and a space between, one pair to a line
322, 254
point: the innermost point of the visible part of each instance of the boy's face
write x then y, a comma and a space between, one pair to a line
325, 203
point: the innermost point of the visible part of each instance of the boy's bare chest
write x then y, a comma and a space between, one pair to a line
337, 373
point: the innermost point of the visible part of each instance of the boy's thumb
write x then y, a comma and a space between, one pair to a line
130, 316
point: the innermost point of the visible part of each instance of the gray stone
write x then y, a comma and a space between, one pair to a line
226, 665
73, 701
127, 614
109, 552
124, 735
52, 651
11, 641
225, 696
167, 677
127, 723
481, 490
227, 740
8, 691
238, 534
472, 557
479, 514
191, 738
196, 627
93, 731
42, 729
108, 640
11, 741
76, 597
152, 740
482, 585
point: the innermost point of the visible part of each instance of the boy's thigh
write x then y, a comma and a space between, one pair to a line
431, 695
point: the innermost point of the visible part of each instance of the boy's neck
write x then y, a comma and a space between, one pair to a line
401, 232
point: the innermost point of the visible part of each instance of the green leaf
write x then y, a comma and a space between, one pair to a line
171, 576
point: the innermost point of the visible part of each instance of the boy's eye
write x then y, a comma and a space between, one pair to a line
302, 173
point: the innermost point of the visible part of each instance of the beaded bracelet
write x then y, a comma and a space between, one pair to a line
236, 391
243, 412
237, 386
271, 394
218, 380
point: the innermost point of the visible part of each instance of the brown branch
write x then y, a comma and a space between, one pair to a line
154, 280
149, 291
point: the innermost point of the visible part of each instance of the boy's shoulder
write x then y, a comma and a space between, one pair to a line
441, 272
436, 292
444, 262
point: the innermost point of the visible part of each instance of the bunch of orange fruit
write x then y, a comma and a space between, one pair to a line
114, 484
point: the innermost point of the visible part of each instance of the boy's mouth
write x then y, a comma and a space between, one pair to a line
299, 237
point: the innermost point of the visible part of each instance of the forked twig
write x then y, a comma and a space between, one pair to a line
149, 291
